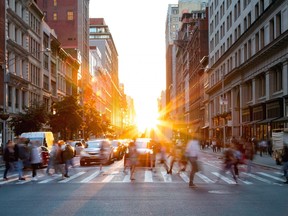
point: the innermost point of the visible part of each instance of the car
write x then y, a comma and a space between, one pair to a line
119, 149
145, 152
93, 154
78, 146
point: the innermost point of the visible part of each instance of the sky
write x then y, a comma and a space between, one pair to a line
138, 31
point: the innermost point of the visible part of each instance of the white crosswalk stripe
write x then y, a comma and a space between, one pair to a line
148, 176
71, 177
115, 174
224, 178
89, 178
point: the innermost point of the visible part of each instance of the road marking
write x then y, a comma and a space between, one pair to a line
224, 178
184, 177
257, 177
148, 176
204, 178
71, 177
270, 176
89, 178
108, 178
10, 180
166, 177
126, 178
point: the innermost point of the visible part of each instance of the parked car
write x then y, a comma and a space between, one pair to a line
145, 152
97, 151
119, 149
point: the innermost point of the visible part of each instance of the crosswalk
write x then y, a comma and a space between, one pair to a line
144, 175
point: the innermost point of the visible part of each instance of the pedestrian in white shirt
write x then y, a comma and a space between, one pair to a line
35, 158
192, 153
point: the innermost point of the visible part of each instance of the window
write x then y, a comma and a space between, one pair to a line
277, 79
262, 84
70, 15
46, 61
262, 38
55, 16
256, 11
271, 29
55, 3
278, 24
256, 42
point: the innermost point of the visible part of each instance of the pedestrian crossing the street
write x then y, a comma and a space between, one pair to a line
116, 174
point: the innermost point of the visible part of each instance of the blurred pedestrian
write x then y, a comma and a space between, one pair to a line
9, 158
228, 161
22, 155
192, 153
173, 159
237, 157
52, 158
59, 162
67, 156
285, 162
35, 158
249, 154
133, 157
153, 147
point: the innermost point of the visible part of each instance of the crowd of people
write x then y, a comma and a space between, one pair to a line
23, 152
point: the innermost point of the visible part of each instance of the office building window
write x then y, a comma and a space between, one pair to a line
277, 79
55, 16
271, 29
278, 24
70, 15
55, 3
262, 86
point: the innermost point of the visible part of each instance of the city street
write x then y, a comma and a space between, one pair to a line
110, 192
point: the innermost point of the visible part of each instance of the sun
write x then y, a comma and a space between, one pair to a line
147, 122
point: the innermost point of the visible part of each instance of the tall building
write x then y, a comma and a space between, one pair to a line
248, 68
101, 38
35, 69
70, 21
177, 89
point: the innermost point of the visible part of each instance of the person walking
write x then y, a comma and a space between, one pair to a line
229, 160
52, 158
35, 158
285, 162
21, 156
133, 157
249, 154
67, 156
172, 156
59, 162
9, 158
192, 153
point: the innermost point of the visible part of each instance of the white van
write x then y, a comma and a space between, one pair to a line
46, 138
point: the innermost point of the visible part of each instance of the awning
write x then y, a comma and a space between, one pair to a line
283, 119
254, 122
265, 121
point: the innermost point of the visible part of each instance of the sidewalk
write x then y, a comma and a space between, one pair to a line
265, 160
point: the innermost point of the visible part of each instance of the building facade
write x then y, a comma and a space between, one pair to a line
35, 68
101, 38
248, 69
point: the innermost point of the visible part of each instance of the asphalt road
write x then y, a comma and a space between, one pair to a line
142, 199
88, 192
